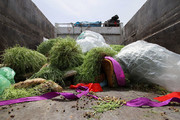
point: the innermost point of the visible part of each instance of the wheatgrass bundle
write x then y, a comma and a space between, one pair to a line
91, 67
28, 88
50, 73
23, 60
117, 47
66, 54
46, 46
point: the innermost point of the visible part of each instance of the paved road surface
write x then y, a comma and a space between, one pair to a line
60, 109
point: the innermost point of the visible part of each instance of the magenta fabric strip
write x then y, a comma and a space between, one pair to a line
142, 101
71, 96
118, 71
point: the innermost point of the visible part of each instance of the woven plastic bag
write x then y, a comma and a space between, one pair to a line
151, 62
4, 83
6, 78
8, 73
89, 39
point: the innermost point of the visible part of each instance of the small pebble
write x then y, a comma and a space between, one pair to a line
73, 106
12, 116
4, 107
177, 110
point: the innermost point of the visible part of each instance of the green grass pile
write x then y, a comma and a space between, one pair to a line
46, 46
50, 73
91, 67
23, 60
117, 47
14, 93
66, 54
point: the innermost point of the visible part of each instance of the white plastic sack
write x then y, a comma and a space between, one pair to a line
89, 39
147, 61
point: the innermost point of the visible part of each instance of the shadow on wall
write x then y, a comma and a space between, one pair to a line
21, 22
157, 22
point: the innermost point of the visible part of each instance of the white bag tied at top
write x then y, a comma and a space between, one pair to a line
151, 62
89, 39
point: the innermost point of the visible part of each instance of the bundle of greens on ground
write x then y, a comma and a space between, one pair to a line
66, 54
12, 93
30, 88
117, 47
23, 61
46, 46
91, 67
50, 73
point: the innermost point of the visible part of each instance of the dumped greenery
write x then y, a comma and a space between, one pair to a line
66, 54
117, 47
14, 93
46, 46
50, 73
91, 68
23, 60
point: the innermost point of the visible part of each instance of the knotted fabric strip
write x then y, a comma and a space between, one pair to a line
118, 71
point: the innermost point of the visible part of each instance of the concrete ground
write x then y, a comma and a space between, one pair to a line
61, 109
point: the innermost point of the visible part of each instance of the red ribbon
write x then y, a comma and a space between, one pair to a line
95, 87
168, 96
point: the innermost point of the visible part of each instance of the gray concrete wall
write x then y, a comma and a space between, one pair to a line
21, 22
112, 35
158, 21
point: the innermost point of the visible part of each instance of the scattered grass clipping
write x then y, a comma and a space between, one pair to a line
66, 54
108, 103
46, 46
117, 47
23, 60
91, 67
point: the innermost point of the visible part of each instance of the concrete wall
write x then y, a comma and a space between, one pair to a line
112, 35
158, 21
21, 22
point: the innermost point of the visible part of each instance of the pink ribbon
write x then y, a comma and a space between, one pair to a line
142, 101
71, 96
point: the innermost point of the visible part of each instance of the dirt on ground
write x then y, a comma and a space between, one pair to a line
59, 108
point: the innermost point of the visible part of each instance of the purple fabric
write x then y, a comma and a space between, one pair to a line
118, 71
142, 101
71, 96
